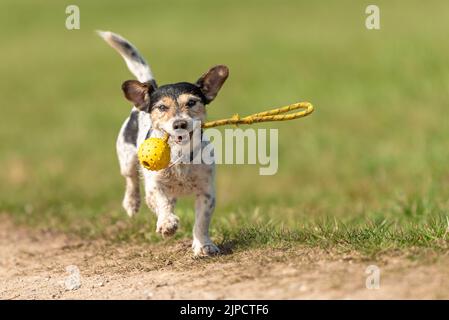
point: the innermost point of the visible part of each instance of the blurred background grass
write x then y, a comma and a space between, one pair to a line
375, 149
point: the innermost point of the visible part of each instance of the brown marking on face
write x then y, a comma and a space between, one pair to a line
163, 110
197, 111
167, 108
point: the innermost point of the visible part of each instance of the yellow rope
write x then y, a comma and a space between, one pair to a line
270, 115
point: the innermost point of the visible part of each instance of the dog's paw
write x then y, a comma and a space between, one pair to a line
131, 204
204, 250
168, 225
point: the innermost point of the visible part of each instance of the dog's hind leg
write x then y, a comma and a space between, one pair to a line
129, 165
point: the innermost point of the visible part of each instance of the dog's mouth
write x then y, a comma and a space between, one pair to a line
182, 139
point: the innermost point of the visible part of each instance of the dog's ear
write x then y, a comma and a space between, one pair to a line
211, 82
138, 92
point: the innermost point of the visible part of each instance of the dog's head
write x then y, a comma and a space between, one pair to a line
173, 108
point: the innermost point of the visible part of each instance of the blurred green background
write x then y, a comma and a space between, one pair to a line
375, 149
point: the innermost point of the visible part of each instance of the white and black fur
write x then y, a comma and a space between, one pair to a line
166, 109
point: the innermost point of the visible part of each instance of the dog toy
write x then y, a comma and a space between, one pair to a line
154, 153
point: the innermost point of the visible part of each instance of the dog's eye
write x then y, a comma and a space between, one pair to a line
191, 103
162, 107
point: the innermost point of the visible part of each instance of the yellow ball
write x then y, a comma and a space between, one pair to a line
154, 154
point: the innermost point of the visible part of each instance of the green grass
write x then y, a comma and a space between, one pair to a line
369, 171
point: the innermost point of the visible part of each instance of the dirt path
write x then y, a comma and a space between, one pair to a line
33, 266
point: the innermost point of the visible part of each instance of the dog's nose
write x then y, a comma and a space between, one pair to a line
180, 124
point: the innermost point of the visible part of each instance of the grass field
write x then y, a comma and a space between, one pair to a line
367, 172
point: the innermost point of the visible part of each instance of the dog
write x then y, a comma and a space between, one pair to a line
168, 109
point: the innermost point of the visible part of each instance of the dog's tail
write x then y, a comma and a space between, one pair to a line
135, 62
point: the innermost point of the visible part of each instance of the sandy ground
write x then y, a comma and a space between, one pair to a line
39, 265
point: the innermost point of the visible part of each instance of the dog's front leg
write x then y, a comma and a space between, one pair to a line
163, 206
204, 207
